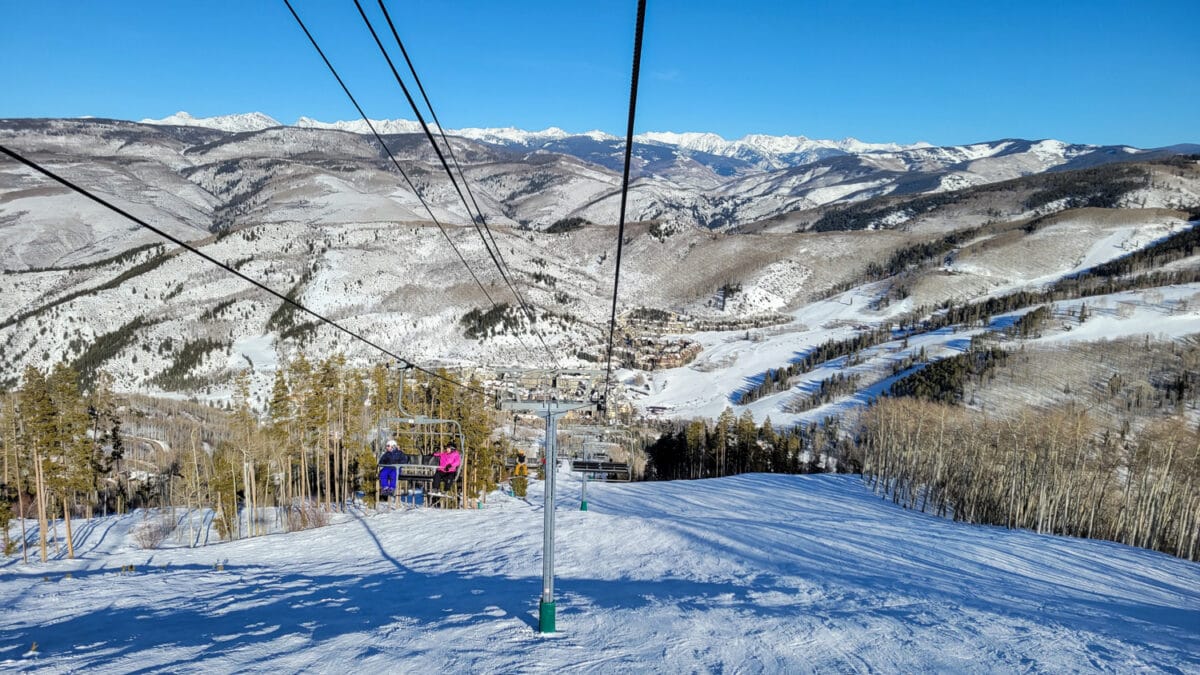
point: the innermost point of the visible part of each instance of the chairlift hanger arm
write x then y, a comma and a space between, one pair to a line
543, 406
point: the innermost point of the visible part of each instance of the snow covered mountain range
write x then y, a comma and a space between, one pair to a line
758, 252
320, 213
671, 155
772, 152
702, 179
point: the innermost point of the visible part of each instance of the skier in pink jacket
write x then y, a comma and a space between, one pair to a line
449, 460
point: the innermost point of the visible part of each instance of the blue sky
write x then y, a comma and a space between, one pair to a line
945, 72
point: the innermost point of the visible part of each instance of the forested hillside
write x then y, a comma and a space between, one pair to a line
71, 451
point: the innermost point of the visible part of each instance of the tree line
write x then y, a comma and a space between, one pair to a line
1104, 279
945, 379
1101, 186
1053, 471
833, 387
479, 324
779, 379
1114, 276
59, 444
66, 451
736, 444
915, 255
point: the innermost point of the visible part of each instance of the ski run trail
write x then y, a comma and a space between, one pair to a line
753, 573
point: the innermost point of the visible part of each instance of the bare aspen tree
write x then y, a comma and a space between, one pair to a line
1049, 471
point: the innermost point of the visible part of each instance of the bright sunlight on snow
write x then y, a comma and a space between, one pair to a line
754, 573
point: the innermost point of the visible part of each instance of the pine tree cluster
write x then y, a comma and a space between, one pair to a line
779, 379
60, 447
944, 380
735, 445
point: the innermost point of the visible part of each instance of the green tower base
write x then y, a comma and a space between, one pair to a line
546, 617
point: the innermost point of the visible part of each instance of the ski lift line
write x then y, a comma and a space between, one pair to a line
480, 223
441, 130
392, 157
183, 244
633, 87
379, 138
429, 134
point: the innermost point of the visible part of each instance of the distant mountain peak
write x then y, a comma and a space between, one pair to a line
689, 156
254, 121
361, 127
706, 142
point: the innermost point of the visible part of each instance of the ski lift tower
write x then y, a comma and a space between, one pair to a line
551, 410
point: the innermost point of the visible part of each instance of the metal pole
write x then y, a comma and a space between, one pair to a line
551, 411
583, 490
546, 609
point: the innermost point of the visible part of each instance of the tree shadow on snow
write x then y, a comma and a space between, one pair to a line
257, 617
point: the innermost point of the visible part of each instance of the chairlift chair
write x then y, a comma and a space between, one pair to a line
416, 436
597, 463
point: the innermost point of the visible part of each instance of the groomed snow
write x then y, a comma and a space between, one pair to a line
754, 573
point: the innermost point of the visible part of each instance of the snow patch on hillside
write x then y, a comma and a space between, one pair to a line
256, 352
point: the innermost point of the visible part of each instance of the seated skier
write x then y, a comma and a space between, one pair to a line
392, 454
449, 460
522, 468
388, 473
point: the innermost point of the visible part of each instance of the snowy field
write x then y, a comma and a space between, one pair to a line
755, 573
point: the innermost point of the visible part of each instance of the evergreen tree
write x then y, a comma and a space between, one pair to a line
280, 408
107, 446
747, 443
299, 377
480, 457
359, 424
695, 436
12, 487
37, 434
279, 436
383, 391
726, 423
73, 449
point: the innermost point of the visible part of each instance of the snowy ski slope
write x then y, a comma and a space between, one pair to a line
755, 573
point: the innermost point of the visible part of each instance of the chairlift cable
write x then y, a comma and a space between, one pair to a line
633, 88
429, 135
392, 157
466, 184
480, 223
379, 138
228, 268
441, 130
